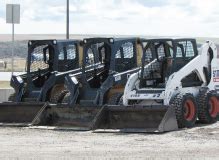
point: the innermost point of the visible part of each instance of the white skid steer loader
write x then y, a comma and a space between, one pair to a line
173, 90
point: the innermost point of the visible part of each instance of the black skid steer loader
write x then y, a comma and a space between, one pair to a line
111, 62
47, 64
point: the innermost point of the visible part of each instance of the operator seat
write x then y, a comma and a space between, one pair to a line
166, 65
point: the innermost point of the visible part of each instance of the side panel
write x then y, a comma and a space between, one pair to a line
214, 82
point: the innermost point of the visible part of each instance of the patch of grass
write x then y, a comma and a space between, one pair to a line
19, 65
5, 84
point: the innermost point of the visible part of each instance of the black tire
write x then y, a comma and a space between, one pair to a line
61, 96
207, 106
55, 92
54, 99
66, 98
115, 99
185, 109
121, 100
11, 98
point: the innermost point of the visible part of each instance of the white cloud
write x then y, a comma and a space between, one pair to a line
129, 17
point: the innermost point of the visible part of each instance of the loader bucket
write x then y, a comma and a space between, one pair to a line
136, 119
21, 114
75, 118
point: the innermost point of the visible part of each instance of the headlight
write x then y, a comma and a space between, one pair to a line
54, 42
85, 41
19, 79
30, 43
111, 40
74, 80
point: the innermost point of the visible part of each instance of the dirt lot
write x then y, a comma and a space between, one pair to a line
201, 142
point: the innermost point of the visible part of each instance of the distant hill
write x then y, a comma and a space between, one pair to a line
20, 49
22, 39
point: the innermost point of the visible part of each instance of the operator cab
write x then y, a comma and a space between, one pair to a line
104, 58
96, 63
164, 57
48, 56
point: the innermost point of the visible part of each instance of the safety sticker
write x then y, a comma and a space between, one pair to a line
118, 78
216, 75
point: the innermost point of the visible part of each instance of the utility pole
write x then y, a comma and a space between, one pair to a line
12, 55
12, 17
67, 20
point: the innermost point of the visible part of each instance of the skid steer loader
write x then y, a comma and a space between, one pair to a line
175, 89
113, 60
47, 64
103, 76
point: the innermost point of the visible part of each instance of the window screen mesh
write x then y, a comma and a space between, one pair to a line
154, 66
95, 49
127, 49
160, 50
61, 54
37, 58
71, 52
178, 52
89, 57
148, 54
188, 48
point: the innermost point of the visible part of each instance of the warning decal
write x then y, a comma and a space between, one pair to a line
216, 75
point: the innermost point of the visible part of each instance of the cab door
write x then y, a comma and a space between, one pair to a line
68, 57
125, 57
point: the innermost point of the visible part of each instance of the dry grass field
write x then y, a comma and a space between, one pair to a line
19, 37
19, 65
4, 84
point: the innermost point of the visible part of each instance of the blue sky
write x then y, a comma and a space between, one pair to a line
118, 17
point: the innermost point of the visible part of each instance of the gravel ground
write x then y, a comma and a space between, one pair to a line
201, 142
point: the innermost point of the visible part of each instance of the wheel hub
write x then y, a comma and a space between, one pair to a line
213, 106
189, 110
